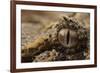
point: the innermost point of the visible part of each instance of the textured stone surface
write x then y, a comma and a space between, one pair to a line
46, 56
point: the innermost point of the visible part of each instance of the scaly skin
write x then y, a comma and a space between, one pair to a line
50, 39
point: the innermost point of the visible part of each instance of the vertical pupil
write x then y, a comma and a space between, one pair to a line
68, 35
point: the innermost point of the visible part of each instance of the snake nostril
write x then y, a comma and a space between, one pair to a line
68, 36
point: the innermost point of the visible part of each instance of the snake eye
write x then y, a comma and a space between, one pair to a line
68, 38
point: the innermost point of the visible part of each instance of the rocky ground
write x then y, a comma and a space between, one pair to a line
34, 24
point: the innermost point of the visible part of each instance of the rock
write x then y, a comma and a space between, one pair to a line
46, 56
